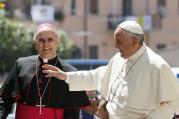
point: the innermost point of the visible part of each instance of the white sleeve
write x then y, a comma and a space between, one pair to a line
168, 87
85, 80
67, 80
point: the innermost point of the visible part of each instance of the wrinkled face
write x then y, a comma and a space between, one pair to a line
123, 43
47, 44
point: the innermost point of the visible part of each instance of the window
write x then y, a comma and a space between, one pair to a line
93, 6
161, 2
76, 53
161, 46
93, 52
127, 7
73, 7
161, 7
41, 2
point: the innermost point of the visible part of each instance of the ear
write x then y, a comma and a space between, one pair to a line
134, 41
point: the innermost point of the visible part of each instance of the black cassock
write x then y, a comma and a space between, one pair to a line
22, 84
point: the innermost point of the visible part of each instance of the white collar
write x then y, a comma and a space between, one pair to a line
137, 54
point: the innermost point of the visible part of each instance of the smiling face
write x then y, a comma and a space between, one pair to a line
127, 46
47, 43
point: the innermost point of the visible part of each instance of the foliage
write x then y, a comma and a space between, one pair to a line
59, 15
66, 45
16, 41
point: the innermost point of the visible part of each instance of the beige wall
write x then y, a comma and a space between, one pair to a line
104, 7
171, 23
101, 36
172, 8
139, 10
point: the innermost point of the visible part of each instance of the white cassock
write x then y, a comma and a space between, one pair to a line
140, 87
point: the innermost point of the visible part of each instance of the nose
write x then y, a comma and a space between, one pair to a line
46, 41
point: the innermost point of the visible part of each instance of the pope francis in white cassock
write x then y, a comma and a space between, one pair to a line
138, 84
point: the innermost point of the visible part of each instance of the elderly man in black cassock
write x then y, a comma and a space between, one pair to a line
39, 97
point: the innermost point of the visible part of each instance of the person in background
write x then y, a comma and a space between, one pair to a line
39, 97
89, 111
137, 83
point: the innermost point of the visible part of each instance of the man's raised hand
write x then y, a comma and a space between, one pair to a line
53, 71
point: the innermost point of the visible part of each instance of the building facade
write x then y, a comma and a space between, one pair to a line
91, 23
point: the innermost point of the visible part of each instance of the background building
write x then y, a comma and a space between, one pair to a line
90, 23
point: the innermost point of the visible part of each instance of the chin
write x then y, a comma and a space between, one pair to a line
46, 56
123, 56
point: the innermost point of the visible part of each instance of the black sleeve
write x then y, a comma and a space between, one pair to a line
5, 109
9, 93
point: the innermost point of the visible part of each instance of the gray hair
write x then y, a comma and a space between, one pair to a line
46, 27
139, 37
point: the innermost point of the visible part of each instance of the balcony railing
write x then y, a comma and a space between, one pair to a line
113, 21
148, 22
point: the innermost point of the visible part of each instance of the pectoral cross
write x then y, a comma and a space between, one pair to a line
40, 106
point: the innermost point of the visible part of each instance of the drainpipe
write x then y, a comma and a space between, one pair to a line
85, 28
147, 33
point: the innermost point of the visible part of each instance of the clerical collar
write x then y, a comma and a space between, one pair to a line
135, 56
50, 61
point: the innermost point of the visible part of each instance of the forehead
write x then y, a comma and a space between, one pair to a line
118, 31
47, 34
45, 29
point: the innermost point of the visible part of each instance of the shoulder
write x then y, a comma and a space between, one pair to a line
155, 59
32, 58
116, 59
66, 66
117, 55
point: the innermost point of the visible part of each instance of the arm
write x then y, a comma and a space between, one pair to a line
168, 87
5, 109
86, 80
79, 80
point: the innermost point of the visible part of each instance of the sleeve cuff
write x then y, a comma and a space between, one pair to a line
67, 79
